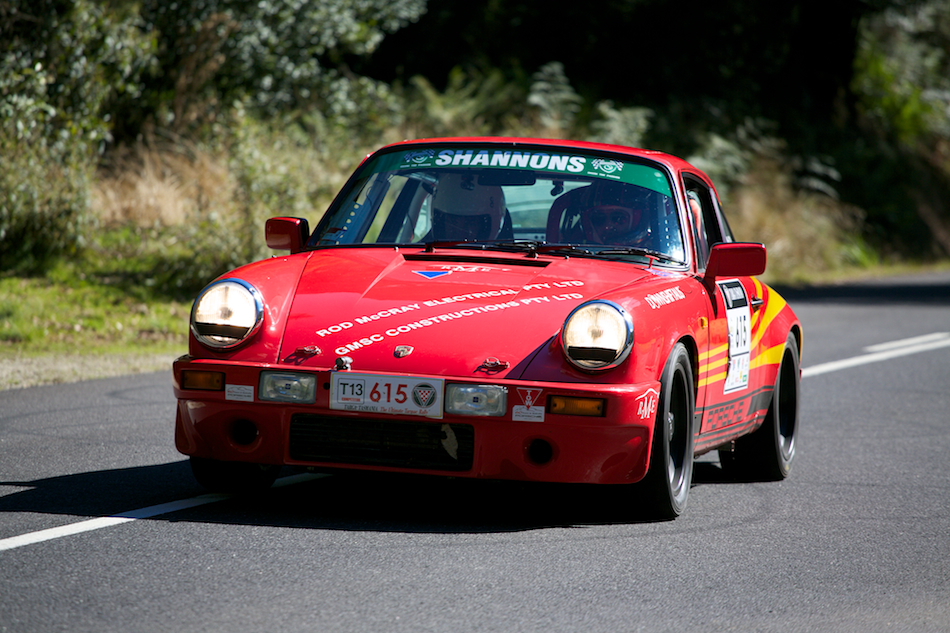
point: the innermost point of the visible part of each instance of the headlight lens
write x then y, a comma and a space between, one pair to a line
597, 335
476, 399
288, 387
227, 313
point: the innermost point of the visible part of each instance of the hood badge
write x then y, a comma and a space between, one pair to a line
402, 351
492, 365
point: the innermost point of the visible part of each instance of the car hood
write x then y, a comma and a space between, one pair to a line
454, 314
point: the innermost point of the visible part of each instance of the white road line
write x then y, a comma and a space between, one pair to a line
884, 351
907, 342
124, 517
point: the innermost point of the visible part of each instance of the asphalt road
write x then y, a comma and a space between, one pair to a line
857, 539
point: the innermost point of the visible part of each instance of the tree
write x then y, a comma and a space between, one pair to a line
274, 54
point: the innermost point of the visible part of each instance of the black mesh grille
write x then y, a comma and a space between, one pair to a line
398, 443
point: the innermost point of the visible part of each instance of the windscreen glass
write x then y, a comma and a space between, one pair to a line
496, 197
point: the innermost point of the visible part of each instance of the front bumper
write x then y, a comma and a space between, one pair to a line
229, 422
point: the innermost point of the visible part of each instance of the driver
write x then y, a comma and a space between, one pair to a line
465, 210
613, 214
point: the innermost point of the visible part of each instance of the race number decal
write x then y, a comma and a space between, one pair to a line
739, 323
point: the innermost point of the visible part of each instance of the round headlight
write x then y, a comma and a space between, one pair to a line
227, 313
597, 335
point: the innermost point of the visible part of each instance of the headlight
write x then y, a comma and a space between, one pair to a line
227, 313
597, 335
288, 387
489, 400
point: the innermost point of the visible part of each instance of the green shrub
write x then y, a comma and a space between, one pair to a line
43, 204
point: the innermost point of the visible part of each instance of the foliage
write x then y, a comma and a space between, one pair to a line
43, 203
901, 172
61, 62
902, 77
555, 98
274, 55
472, 103
621, 126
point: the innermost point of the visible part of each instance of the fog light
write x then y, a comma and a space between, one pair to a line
202, 380
566, 405
476, 399
280, 386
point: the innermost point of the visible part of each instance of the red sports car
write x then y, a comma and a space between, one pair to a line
515, 309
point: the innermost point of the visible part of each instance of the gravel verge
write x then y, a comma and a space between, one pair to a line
29, 371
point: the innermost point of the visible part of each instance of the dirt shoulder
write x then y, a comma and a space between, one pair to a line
30, 371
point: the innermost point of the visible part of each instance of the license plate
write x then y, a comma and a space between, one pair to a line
387, 395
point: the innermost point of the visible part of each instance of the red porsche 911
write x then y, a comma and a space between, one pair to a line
515, 309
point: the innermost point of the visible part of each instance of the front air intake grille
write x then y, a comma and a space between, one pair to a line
396, 443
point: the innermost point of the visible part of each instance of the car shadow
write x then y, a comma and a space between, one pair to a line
935, 290
382, 502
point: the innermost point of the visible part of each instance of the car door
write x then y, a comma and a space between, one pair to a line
726, 378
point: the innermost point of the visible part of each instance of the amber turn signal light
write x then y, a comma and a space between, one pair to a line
566, 405
202, 380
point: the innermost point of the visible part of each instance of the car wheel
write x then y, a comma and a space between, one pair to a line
218, 476
767, 453
671, 462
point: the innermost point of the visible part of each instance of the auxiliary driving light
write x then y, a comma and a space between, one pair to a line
488, 400
283, 386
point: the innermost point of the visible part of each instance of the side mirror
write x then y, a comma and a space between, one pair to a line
735, 259
283, 234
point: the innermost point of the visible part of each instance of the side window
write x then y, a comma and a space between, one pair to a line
705, 218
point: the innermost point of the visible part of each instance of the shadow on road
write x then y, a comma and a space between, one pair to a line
934, 290
364, 502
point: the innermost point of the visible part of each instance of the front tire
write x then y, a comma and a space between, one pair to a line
671, 462
218, 476
768, 452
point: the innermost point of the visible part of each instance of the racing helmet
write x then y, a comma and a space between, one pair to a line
465, 210
614, 213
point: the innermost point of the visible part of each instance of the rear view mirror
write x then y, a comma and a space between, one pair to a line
735, 259
284, 234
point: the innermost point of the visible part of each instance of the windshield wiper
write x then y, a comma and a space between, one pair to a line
431, 246
641, 252
518, 245
535, 248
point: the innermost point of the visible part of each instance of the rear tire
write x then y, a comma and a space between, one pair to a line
671, 462
768, 452
218, 476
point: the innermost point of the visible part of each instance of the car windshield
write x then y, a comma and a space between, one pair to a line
503, 198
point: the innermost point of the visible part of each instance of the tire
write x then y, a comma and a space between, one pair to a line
670, 475
237, 477
767, 453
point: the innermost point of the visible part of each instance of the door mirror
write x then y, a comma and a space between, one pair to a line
734, 259
283, 234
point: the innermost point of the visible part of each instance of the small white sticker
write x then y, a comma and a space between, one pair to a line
527, 414
239, 393
531, 410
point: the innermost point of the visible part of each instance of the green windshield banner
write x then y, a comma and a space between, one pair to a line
536, 160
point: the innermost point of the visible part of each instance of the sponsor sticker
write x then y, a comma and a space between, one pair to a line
665, 297
531, 408
239, 393
550, 161
647, 404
